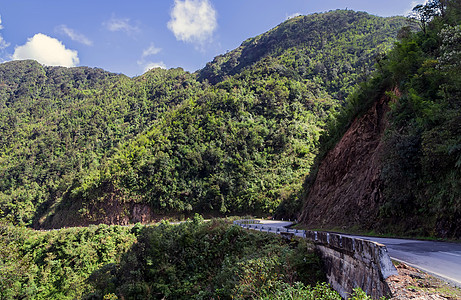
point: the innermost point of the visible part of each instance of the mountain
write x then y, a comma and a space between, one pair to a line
81, 145
392, 161
335, 49
58, 124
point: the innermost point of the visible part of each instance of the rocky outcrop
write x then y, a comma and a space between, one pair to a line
348, 189
114, 213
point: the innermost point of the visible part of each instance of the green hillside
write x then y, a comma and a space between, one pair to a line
79, 144
420, 173
334, 50
424, 140
59, 124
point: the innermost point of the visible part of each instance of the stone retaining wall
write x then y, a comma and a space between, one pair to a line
352, 262
349, 262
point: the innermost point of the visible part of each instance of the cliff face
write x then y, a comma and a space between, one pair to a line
109, 211
348, 189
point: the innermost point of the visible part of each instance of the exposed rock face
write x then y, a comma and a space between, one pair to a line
113, 213
348, 189
107, 211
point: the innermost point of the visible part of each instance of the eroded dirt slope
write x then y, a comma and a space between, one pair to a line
348, 189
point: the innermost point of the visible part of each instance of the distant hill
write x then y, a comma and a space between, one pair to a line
81, 146
335, 49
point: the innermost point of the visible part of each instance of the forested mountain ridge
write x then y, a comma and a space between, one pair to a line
84, 146
330, 48
392, 159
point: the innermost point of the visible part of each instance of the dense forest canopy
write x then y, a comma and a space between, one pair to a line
424, 141
192, 260
238, 136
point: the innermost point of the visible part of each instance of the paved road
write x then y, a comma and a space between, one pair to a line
442, 259
273, 227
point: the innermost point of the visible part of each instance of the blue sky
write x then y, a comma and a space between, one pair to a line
130, 37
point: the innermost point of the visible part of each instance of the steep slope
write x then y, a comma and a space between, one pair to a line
348, 190
399, 172
126, 150
59, 124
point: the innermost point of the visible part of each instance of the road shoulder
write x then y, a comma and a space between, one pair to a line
412, 283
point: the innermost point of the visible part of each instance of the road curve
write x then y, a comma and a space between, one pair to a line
442, 259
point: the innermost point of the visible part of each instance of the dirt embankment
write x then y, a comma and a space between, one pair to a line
108, 210
411, 283
348, 189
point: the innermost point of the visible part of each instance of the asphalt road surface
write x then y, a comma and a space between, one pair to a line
442, 259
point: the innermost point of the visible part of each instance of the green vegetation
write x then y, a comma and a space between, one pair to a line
57, 264
79, 145
238, 136
334, 49
193, 260
196, 260
425, 138
59, 124
422, 158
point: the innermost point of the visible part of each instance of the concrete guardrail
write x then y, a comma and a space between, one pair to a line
349, 262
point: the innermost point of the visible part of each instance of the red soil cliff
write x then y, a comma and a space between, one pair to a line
348, 189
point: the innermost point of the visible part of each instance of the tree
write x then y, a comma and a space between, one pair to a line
423, 14
14, 267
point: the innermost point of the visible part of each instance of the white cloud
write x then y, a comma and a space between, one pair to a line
46, 50
3, 43
117, 24
152, 50
193, 20
74, 35
416, 2
151, 65
294, 15
147, 65
413, 4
